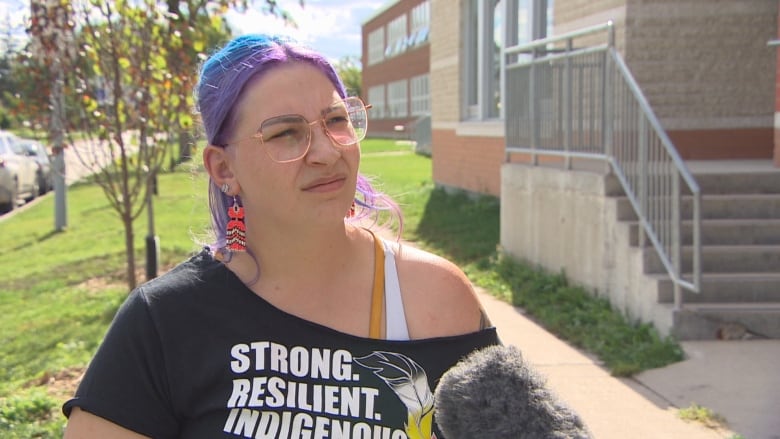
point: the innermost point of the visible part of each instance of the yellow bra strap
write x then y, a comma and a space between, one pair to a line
378, 293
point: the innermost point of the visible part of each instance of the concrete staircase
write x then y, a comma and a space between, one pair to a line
740, 235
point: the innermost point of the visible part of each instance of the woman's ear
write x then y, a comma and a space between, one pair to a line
217, 164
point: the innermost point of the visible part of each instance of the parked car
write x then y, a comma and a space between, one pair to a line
7, 188
38, 152
22, 180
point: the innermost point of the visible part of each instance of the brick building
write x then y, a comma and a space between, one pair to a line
704, 66
395, 58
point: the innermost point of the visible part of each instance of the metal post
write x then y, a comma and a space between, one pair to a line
60, 190
533, 117
607, 95
567, 105
676, 247
52, 43
57, 136
697, 240
606, 109
152, 240
644, 180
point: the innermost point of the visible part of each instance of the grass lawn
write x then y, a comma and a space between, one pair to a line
59, 291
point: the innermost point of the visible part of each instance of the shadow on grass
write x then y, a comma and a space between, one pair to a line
467, 230
69, 273
462, 226
22, 244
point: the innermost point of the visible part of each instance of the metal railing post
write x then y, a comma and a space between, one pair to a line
697, 240
633, 144
567, 104
606, 111
644, 179
676, 247
533, 116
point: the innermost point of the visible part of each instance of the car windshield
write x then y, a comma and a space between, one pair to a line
10, 144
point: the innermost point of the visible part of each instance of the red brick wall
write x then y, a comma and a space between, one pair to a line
470, 163
411, 63
725, 144
407, 65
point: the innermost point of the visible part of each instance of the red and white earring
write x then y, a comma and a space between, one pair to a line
235, 235
235, 229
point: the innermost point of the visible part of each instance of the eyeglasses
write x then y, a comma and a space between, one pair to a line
287, 138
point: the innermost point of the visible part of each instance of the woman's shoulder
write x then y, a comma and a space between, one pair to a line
430, 268
439, 299
198, 270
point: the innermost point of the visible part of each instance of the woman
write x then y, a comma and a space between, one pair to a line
301, 323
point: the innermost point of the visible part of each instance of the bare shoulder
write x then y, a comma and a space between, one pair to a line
439, 299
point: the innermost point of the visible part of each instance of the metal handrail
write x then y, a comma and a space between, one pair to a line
584, 103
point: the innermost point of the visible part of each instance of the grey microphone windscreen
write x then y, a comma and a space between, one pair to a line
493, 393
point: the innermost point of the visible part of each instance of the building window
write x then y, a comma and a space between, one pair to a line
421, 22
396, 36
376, 97
490, 25
376, 46
397, 99
420, 94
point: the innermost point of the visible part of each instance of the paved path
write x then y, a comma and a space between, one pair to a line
739, 380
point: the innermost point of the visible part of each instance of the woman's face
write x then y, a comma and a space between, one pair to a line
318, 188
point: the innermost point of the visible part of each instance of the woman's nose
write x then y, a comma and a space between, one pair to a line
322, 149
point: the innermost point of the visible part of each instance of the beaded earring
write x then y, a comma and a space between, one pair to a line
236, 228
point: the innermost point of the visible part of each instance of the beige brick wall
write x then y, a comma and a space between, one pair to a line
576, 10
704, 64
572, 15
445, 41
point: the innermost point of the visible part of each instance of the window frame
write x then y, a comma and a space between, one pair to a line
479, 67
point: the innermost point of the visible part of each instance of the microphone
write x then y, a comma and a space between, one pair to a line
493, 393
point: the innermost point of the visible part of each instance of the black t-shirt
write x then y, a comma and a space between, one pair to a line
196, 354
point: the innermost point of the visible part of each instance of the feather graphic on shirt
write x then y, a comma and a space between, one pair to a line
410, 383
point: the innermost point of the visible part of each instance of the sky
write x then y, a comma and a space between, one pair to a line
331, 27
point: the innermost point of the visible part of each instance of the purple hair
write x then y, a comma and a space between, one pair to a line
223, 77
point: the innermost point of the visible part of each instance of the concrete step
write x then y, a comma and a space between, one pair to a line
720, 206
725, 288
712, 183
739, 183
727, 321
722, 259
725, 232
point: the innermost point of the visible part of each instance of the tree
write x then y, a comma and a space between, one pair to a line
350, 73
126, 96
130, 90
23, 87
195, 22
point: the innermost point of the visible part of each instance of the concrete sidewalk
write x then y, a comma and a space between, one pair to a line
738, 380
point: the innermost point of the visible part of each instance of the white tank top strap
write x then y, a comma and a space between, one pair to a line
395, 317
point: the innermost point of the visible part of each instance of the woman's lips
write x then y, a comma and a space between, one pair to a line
325, 184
